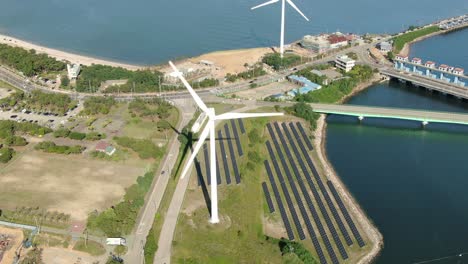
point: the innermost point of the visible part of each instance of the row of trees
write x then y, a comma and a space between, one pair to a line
49, 102
8, 128
51, 147
98, 105
120, 219
257, 70
66, 133
30, 62
91, 78
275, 60
153, 107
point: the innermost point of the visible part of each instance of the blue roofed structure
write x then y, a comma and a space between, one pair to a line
306, 84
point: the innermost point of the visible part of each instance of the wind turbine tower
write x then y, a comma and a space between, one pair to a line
283, 6
209, 130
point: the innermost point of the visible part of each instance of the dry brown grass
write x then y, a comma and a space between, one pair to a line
73, 184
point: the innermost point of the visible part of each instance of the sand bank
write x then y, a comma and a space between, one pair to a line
62, 55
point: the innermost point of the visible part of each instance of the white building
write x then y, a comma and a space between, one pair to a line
385, 46
344, 63
318, 44
73, 71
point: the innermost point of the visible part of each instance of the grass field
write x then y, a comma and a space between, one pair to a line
239, 238
400, 41
74, 186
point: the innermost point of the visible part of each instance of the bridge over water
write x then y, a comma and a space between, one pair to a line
427, 82
422, 116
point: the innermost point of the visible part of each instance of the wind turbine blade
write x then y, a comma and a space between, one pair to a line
264, 4
195, 96
297, 9
244, 115
197, 147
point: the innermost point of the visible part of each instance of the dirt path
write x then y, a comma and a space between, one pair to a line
15, 236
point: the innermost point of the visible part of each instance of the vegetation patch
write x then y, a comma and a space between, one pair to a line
275, 60
120, 219
145, 148
51, 147
65, 133
98, 105
30, 62
255, 71
400, 41
91, 247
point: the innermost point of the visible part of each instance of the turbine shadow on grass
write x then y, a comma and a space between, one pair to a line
189, 138
203, 185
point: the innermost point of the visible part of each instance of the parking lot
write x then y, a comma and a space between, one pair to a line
43, 119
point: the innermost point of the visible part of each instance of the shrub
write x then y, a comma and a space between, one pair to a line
6, 154
144, 147
77, 135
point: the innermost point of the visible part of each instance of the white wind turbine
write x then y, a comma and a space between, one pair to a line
283, 3
210, 130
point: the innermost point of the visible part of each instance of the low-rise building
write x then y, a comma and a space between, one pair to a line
430, 64
105, 147
337, 41
307, 85
401, 57
385, 46
459, 71
344, 63
73, 71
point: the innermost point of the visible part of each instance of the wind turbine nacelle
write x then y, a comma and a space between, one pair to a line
199, 122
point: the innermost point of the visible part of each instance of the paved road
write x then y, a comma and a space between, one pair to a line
394, 113
137, 240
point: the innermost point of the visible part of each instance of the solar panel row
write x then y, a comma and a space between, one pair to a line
207, 163
300, 160
321, 186
292, 210
307, 221
231, 152
304, 135
241, 125
236, 136
279, 202
268, 197
346, 214
223, 154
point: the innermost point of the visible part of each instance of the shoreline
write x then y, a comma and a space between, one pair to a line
405, 51
64, 55
365, 222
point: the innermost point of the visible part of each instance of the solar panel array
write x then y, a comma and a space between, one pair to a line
268, 197
227, 154
290, 152
232, 156
304, 135
237, 138
241, 125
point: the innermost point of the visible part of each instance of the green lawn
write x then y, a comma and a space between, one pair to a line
400, 41
138, 127
91, 247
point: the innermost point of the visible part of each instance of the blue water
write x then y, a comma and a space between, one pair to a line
151, 32
412, 182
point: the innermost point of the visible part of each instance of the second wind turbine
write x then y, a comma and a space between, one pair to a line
283, 3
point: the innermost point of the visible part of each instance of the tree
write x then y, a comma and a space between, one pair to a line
64, 81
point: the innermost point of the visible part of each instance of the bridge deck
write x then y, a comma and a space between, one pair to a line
392, 113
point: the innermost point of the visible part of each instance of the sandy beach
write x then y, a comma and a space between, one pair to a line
62, 55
